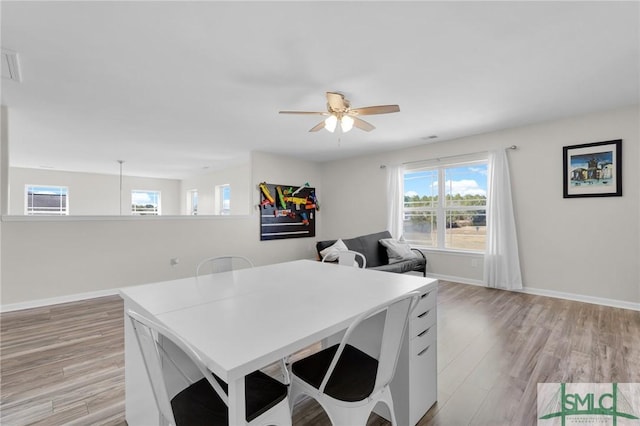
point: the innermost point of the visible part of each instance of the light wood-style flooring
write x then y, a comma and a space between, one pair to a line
64, 364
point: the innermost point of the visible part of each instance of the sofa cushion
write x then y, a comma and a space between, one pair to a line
417, 264
332, 252
323, 245
397, 250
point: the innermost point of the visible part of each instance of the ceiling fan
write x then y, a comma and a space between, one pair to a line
339, 110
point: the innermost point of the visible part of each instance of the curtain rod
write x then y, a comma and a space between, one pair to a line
454, 156
384, 166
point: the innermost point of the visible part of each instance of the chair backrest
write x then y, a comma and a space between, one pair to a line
396, 317
350, 258
152, 339
214, 265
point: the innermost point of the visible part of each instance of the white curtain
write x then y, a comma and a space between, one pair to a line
395, 192
501, 261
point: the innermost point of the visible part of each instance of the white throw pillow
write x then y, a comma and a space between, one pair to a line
397, 250
331, 253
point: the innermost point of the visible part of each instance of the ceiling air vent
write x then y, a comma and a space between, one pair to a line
10, 65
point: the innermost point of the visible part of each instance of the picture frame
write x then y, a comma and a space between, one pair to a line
593, 169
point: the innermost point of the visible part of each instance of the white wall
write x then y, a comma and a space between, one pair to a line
586, 246
4, 171
581, 246
92, 193
56, 257
4, 159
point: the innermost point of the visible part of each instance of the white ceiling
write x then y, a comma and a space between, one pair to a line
173, 87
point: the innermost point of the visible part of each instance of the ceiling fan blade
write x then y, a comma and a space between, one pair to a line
363, 125
305, 112
317, 127
336, 101
378, 109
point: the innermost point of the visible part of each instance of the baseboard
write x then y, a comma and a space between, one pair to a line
56, 300
615, 303
456, 279
550, 293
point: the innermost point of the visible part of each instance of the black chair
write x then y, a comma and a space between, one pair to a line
203, 398
347, 382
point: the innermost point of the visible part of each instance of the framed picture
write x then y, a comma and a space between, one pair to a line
593, 169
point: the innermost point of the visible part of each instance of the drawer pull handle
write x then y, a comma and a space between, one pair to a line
424, 350
424, 332
422, 315
425, 295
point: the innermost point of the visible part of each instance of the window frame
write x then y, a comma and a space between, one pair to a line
158, 209
192, 202
441, 211
59, 212
219, 209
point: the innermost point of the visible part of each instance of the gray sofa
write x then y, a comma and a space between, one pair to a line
376, 253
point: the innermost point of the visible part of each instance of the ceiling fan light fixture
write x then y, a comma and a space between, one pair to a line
346, 123
338, 109
330, 123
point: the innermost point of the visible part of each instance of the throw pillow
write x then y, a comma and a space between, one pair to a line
397, 250
331, 253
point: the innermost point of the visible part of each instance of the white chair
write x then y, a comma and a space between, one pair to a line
200, 397
346, 381
214, 265
350, 258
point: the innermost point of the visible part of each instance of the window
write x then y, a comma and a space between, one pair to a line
145, 202
223, 200
41, 200
445, 206
192, 202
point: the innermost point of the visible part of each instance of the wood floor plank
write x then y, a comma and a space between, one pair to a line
461, 407
111, 415
26, 413
505, 388
64, 364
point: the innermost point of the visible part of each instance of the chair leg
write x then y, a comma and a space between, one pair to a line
162, 420
387, 399
352, 416
279, 415
295, 392
355, 415
284, 366
392, 412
